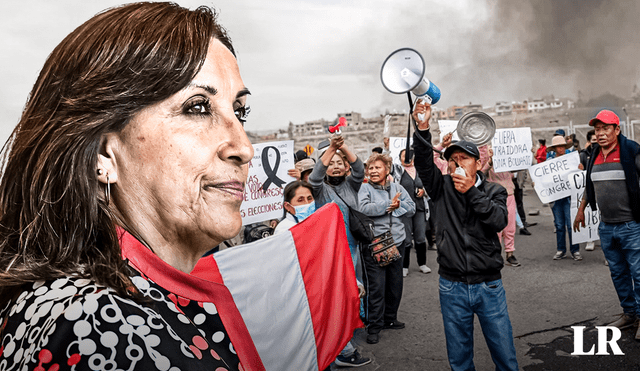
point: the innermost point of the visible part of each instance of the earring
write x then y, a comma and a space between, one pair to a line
99, 171
108, 190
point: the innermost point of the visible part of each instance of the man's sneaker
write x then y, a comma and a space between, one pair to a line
373, 338
625, 321
559, 255
424, 269
354, 360
512, 261
405, 272
576, 256
397, 325
590, 246
525, 232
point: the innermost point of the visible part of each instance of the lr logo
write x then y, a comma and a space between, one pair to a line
578, 341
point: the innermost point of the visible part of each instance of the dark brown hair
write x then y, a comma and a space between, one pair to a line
54, 220
291, 188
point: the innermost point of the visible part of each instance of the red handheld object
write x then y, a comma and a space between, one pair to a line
341, 122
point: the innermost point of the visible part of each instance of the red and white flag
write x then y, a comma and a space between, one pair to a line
296, 292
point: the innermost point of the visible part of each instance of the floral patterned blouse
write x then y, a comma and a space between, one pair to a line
74, 324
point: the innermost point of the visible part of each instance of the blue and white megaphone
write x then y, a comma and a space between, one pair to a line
403, 71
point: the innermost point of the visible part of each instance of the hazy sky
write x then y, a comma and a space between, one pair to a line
306, 60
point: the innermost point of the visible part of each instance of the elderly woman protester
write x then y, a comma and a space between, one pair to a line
385, 202
332, 184
127, 165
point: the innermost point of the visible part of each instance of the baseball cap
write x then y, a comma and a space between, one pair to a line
463, 145
606, 117
559, 132
299, 155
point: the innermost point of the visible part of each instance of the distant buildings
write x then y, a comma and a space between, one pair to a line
537, 105
503, 108
456, 112
517, 107
370, 130
532, 106
361, 132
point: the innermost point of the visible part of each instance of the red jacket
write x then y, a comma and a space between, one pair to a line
541, 155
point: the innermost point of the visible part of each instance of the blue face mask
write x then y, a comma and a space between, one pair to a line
303, 211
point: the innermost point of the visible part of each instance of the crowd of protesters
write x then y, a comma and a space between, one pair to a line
68, 236
420, 200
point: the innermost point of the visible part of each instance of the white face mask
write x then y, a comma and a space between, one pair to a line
303, 211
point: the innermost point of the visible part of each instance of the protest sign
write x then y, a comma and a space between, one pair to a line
591, 218
263, 193
387, 126
551, 178
512, 149
396, 145
446, 127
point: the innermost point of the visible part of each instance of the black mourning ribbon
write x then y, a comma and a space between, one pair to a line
272, 176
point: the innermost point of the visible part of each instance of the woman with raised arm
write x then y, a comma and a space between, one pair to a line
331, 183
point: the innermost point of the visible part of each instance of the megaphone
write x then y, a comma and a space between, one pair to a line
403, 71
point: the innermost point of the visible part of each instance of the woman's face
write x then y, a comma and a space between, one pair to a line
378, 172
182, 163
337, 166
302, 196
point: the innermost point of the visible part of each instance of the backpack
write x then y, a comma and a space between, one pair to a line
254, 232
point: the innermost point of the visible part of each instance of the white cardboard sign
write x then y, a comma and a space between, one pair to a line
446, 127
263, 193
591, 218
396, 145
551, 178
512, 149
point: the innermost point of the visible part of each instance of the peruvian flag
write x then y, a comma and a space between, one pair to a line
296, 293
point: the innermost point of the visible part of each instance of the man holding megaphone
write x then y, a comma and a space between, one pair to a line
470, 213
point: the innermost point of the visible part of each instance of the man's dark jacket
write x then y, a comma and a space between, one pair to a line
585, 155
628, 152
467, 225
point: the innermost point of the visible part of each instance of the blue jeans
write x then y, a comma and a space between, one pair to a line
562, 219
349, 349
621, 247
458, 304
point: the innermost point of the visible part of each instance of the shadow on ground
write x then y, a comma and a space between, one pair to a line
556, 354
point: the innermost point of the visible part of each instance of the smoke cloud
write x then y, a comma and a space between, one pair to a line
591, 44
